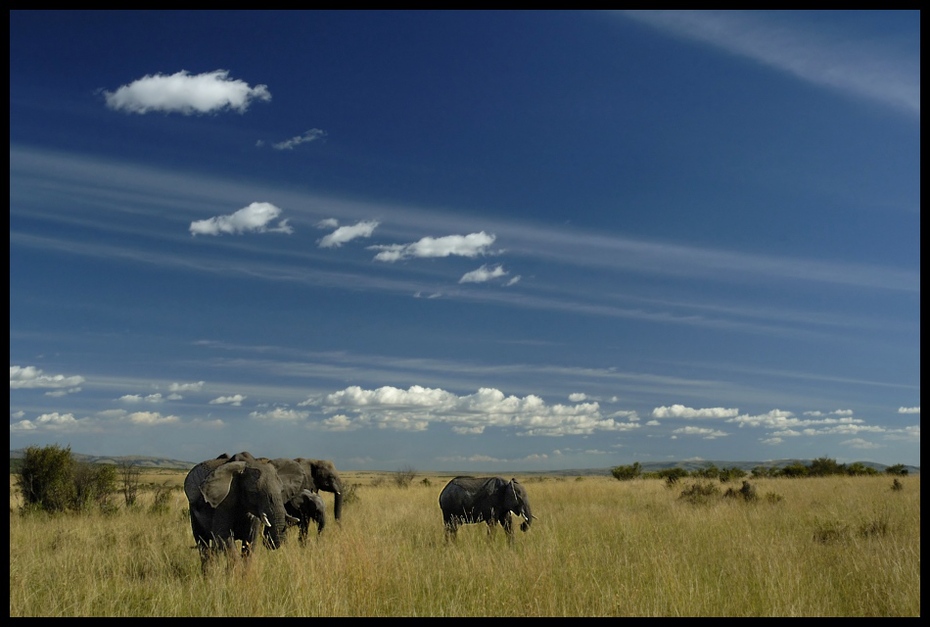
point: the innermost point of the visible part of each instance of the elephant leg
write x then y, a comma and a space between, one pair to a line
451, 526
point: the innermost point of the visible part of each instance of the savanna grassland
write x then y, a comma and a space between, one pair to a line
833, 546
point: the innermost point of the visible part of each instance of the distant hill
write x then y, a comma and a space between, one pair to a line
690, 466
139, 460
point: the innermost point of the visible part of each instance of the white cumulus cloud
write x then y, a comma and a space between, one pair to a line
32, 377
235, 400
345, 234
280, 414
909, 410
680, 411
255, 218
186, 387
471, 245
186, 93
417, 407
483, 274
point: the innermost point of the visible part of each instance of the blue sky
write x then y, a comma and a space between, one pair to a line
478, 241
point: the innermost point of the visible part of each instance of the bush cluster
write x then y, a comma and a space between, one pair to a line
51, 480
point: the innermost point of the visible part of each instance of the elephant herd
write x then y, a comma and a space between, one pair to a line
253, 499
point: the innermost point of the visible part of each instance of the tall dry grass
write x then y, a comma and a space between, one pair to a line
806, 547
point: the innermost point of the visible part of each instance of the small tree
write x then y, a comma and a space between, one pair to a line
94, 484
897, 469
627, 473
129, 473
405, 476
46, 478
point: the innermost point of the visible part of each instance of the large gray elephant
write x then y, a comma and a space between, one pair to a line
467, 500
321, 475
236, 498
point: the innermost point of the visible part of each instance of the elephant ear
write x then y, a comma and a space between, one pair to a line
292, 477
216, 486
197, 475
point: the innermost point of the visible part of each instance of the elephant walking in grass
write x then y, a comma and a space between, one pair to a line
306, 507
321, 475
239, 498
467, 500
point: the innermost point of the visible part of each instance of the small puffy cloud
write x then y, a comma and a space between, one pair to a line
483, 274
48, 422
707, 434
909, 410
577, 397
235, 400
340, 422
859, 443
32, 377
289, 144
255, 218
471, 245
836, 412
60, 393
138, 398
345, 234
186, 387
185, 93
151, 418
680, 411
280, 414
786, 421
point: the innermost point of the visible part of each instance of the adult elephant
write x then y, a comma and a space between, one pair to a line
237, 498
321, 475
467, 500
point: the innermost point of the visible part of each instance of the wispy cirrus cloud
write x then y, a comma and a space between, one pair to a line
289, 144
471, 245
253, 218
185, 93
879, 71
344, 234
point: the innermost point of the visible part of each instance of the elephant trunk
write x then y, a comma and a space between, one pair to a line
337, 505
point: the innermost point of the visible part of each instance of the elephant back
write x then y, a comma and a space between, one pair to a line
292, 476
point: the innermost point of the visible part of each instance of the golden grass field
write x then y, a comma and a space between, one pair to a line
835, 546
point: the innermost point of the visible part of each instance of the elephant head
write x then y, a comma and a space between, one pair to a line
234, 499
321, 475
516, 501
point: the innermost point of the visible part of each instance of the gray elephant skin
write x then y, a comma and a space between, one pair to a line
467, 500
307, 507
321, 475
235, 498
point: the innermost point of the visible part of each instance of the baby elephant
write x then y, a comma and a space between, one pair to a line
307, 506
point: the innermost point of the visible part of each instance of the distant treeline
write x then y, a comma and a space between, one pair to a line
820, 467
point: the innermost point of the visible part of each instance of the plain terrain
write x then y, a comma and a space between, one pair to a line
834, 546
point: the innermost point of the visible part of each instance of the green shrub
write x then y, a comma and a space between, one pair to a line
627, 473
46, 478
698, 493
